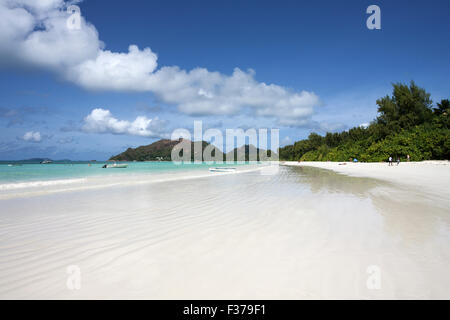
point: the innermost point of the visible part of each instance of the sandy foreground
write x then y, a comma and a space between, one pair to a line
297, 232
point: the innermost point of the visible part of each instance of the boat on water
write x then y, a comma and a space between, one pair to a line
46, 161
115, 165
223, 169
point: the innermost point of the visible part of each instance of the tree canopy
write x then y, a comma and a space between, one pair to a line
407, 124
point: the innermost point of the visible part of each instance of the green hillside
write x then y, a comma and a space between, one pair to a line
159, 150
162, 150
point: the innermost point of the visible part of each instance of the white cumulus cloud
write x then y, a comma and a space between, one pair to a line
102, 121
36, 33
32, 136
116, 71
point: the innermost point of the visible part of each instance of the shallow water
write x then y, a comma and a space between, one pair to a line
23, 175
300, 233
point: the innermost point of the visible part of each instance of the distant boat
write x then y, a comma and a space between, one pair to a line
46, 161
115, 165
224, 169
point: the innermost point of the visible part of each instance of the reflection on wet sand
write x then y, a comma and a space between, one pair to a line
414, 223
407, 212
329, 181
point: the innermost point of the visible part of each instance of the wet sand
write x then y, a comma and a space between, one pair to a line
430, 176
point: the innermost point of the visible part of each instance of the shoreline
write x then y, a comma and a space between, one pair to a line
430, 176
34, 188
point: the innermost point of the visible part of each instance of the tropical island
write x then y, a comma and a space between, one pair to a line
407, 125
161, 150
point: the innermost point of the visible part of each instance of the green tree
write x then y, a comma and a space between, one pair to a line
406, 125
408, 106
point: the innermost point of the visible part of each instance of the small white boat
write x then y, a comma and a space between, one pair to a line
115, 165
223, 169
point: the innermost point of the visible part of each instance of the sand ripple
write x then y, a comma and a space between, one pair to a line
301, 233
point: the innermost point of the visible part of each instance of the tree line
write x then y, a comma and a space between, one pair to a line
407, 124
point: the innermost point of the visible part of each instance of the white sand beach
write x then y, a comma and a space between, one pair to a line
298, 233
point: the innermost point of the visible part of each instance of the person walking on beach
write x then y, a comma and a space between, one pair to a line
398, 160
390, 161
407, 158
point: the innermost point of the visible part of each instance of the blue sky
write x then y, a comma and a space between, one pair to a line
304, 66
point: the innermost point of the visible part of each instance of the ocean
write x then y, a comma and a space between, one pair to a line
25, 175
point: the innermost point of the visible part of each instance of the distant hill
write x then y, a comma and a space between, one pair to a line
250, 149
159, 150
162, 150
40, 160
34, 160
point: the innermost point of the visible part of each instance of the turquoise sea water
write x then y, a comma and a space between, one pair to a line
57, 171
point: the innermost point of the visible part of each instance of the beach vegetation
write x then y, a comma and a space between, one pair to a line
407, 124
